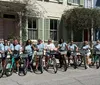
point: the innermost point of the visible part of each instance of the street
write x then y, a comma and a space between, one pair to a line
72, 76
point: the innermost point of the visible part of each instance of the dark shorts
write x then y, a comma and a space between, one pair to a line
68, 53
16, 57
3, 56
29, 58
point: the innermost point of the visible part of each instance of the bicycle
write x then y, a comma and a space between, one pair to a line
1, 68
98, 59
39, 62
5, 66
8, 69
51, 62
23, 64
83, 57
76, 56
63, 62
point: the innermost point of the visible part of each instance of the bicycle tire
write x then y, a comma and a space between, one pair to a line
25, 71
54, 65
1, 70
8, 72
75, 62
65, 66
41, 64
84, 59
98, 63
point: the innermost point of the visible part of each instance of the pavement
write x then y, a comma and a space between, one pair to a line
79, 76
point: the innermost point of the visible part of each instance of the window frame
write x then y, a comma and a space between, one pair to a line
54, 30
32, 29
73, 2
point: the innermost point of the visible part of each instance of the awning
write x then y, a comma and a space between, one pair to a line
11, 6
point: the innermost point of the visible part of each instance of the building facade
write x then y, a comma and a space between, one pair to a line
46, 24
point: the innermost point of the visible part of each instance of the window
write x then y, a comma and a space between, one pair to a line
32, 28
53, 29
46, 0
73, 1
78, 34
60, 1
9, 16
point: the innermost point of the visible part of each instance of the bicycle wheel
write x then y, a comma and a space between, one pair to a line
8, 71
41, 64
75, 61
64, 64
25, 71
8, 67
84, 59
54, 64
1, 70
98, 62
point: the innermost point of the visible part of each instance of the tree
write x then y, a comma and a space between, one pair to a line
82, 18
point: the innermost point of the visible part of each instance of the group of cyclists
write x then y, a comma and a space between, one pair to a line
14, 48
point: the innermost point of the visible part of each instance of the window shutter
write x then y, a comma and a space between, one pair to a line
40, 29
82, 2
46, 29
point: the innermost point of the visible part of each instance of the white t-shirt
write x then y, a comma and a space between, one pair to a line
50, 46
86, 47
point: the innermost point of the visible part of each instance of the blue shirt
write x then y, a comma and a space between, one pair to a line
6, 48
62, 46
16, 47
40, 47
1, 47
72, 47
28, 50
11, 46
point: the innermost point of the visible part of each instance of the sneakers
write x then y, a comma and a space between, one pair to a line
87, 66
16, 72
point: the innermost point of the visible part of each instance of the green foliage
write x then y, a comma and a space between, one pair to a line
81, 18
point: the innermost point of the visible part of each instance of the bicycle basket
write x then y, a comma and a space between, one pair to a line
23, 55
39, 53
63, 52
8, 56
98, 52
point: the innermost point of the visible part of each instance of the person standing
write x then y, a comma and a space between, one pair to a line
62, 47
86, 47
28, 49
